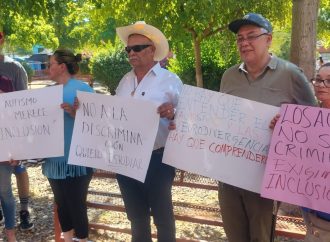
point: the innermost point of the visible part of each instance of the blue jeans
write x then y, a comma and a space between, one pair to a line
153, 197
6, 195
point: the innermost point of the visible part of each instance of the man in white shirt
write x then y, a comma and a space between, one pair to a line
146, 46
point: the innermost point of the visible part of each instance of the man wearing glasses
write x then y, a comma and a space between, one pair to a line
145, 47
264, 78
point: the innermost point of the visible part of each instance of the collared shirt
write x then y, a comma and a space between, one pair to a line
158, 86
280, 82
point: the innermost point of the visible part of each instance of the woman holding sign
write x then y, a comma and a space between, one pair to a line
317, 222
68, 182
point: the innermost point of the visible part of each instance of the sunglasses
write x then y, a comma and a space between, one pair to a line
136, 48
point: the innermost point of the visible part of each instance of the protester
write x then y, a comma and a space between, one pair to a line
146, 46
7, 198
13, 77
317, 222
68, 182
264, 78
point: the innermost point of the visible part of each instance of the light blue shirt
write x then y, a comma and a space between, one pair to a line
58, 167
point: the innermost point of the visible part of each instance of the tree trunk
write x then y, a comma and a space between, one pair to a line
198, 62
303, 37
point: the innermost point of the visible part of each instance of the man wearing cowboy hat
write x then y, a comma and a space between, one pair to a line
145, 47
267, 79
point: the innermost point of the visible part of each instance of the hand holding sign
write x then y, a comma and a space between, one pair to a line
220, 136
114, 134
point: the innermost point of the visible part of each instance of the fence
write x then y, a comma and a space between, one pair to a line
287, 226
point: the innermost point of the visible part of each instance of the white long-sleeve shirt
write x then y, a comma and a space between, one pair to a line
158, 86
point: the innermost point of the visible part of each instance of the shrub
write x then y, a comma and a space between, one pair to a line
217, 56
84, 66
109, 67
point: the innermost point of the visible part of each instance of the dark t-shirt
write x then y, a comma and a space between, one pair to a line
12, 71
6, 85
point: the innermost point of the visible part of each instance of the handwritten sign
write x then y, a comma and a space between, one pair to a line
298, 165
220, 136
114, 133
31, 124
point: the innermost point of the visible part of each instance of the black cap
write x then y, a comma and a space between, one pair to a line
251, 19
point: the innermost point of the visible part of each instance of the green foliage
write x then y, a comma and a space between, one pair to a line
217, 56
324, 23
191, 21
82, 24
109, 67
281, 44
30, 31
84, 66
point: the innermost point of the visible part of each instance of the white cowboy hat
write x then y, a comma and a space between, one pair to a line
154, 34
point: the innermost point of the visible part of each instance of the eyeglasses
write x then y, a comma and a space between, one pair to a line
317, 82
249, 38
136, 48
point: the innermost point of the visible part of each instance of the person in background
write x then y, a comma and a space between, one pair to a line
145, 47
264, 78
13, 77
69, 183
317, 222
7, 198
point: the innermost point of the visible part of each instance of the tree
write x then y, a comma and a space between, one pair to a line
190, 21
303, 38
27, 32
25, 23
323, 27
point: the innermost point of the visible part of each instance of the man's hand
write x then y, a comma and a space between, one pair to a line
274, 121
172, 125
166, 110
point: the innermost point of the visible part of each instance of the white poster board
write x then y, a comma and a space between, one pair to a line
220, 136
31, 124
114, 134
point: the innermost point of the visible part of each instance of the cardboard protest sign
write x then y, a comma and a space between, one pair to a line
298, 165
31, 124
220, 136
114, 133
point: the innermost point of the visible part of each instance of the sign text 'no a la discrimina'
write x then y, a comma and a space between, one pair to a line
114, 134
